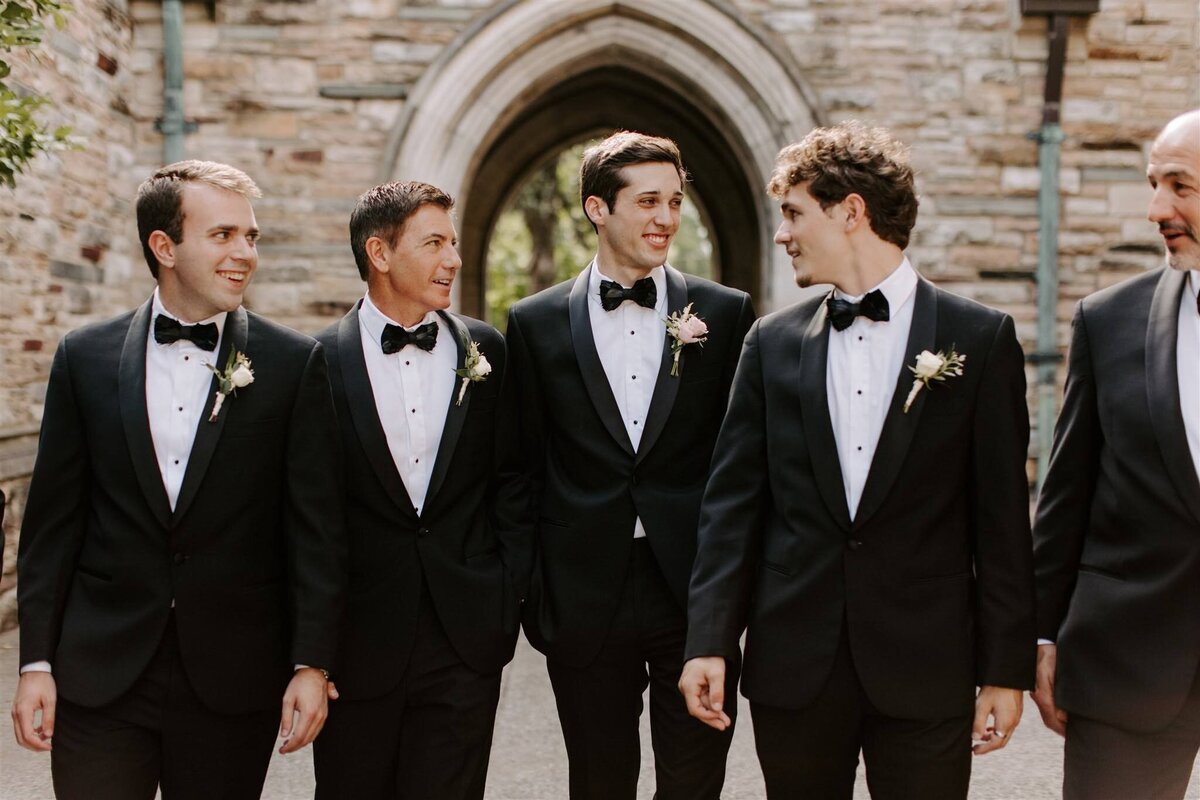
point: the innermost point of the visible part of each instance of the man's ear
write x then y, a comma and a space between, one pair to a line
377, 252
163, 249
596, 209
854, 208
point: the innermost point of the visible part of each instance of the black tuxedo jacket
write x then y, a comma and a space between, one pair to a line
1117, 532
589, 484
471, 544
253, 555
932, 579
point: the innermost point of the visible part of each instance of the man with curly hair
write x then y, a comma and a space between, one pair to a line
867, 514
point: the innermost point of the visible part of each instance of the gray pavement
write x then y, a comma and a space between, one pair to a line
530, 763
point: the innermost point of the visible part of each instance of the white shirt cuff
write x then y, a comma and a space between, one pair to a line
1044, 641
36, 666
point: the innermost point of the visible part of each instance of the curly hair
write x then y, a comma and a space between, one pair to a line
851, 158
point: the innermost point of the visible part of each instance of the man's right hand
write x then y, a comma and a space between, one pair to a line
36, 691
703, 686
1047, 663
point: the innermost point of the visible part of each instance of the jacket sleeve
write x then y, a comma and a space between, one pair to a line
55, 515
731, 517
999, 486
1064, 507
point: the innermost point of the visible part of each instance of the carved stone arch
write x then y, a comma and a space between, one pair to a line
534, 76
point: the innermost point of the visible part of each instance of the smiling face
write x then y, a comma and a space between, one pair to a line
635, 235
208, 269
1174, 175
415, 275
815, 238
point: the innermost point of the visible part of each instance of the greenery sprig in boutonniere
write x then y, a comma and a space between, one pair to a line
236, 375
934, 367
684, 328
475, 369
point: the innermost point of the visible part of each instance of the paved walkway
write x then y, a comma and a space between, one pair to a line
530, 763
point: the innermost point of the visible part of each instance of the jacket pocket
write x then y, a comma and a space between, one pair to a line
1103, 573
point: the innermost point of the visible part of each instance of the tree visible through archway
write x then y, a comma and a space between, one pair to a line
542, 237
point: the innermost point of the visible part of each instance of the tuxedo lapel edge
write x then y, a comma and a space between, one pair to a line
1162, 386
899, 426
666, 386
595, 381
209, 433
456, 413
818, 424
364, 415
135, 417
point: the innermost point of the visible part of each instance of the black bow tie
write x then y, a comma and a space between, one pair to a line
842, 312
395, 338
643, 292
169, 331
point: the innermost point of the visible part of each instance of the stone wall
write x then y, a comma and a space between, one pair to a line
67, 252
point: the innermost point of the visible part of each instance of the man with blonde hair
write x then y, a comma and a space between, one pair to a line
181, 565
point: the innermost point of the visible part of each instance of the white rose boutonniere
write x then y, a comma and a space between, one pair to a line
933, 367
236, 375
684, 328
476, 368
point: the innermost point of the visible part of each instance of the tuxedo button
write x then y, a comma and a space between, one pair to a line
854, 544
179, 558
633, 479
423, 531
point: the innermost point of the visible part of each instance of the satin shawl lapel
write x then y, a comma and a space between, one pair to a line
209, 433
898, 428
131, 396
594, 379
360, 399
456, 414
818, 426
1162, 387
665, 387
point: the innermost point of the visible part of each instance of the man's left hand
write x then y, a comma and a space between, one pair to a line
1004, 707
305, 706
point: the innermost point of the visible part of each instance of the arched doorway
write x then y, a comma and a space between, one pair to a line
536, 75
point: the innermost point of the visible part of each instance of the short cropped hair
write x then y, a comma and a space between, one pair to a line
852, 158
382, 212
600, 172
160, 198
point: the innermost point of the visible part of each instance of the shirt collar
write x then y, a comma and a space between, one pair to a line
658, 275
374, 320
1193, 282
157, 308
897, 287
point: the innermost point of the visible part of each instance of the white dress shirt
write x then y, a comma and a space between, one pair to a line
412, 390
629, 340
864, 364
1187, 363
178, 380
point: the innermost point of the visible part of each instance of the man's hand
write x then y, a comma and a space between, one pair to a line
1004, 707
305, 706
703, 686
36, 691
1047, 664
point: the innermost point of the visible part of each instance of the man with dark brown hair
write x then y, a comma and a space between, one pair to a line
437, 515
620, 400
866, 520
181, 565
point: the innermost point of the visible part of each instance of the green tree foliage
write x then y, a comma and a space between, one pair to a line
21, 136
543, 237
